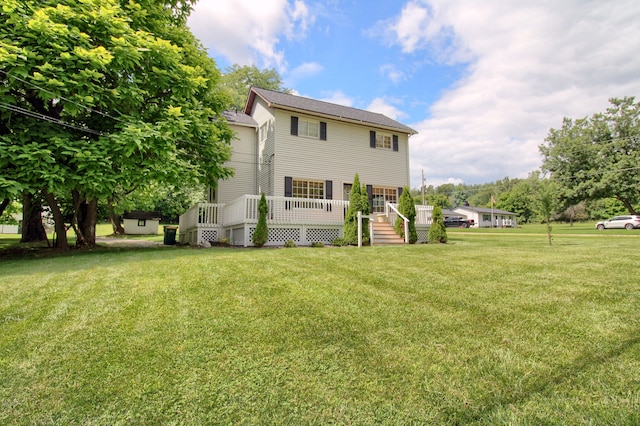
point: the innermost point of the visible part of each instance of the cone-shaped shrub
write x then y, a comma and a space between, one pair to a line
261, 234
407, 208
437, 231
358, 201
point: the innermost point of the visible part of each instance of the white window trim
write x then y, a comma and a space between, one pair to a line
381, 137
302, 121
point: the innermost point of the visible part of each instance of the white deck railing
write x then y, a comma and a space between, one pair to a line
282, 210
423, 214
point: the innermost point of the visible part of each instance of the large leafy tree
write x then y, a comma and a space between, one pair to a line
237, 80
597, 157
101, 94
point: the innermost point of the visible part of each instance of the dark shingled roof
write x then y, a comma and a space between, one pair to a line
240, 118
327, 109
139, 214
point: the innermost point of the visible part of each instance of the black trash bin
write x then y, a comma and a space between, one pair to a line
170, 235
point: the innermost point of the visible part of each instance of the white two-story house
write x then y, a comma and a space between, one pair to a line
303, 155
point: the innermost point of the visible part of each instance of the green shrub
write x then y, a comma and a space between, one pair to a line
261, 234
317, 245
339, 242
437, 231
358, 201
407, 208
290, 244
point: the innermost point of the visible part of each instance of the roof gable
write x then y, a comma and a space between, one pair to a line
326, 109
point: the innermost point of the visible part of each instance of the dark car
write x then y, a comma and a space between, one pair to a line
458, 222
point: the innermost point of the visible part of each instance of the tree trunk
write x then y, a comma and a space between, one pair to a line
4, 205
627, 205
60, 241
114, 218
32, 227
86, 217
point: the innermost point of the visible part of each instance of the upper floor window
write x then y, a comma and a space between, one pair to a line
383, 141
263, 132
309, 129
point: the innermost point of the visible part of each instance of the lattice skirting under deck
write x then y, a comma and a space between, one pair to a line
423, 233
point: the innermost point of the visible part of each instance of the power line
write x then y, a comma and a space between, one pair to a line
61, 97
43, 117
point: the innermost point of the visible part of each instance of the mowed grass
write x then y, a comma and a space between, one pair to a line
484, 330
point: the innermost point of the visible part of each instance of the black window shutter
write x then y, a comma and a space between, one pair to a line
294, 126
370, 194
372, 139
395, 143
328, 190
323, 131
288, 186
399, 194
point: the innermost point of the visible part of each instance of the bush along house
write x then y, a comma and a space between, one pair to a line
303, 155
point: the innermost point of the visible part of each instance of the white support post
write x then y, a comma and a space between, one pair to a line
359, 229
370, 232
406, 232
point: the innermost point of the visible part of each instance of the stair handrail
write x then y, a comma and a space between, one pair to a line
405, 220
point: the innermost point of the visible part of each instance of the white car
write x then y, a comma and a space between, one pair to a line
619, 222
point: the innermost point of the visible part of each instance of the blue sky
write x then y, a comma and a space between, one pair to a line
482, 82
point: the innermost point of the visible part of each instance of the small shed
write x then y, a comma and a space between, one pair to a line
139, 222
488, 217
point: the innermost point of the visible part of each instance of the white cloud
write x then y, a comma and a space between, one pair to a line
386, 106
303, 71
392, 72
247, 32
337, 97
533, 64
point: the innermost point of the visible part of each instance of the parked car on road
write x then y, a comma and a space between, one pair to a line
618, 222
457, 222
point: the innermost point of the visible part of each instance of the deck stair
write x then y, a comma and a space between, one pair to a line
384, 234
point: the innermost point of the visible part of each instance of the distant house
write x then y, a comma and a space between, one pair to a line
141, 222
302, 154
487, 217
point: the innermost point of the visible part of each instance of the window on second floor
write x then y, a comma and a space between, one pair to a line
308, 129
383, 141
264, 132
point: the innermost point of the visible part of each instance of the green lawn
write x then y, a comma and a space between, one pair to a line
488, 329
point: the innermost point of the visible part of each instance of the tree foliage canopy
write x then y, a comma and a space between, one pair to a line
597, 157
101, 93
237, 80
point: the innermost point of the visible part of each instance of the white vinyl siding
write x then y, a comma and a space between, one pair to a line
243, 162
345, 152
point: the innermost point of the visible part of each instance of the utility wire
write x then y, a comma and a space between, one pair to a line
61, 97
43, 117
